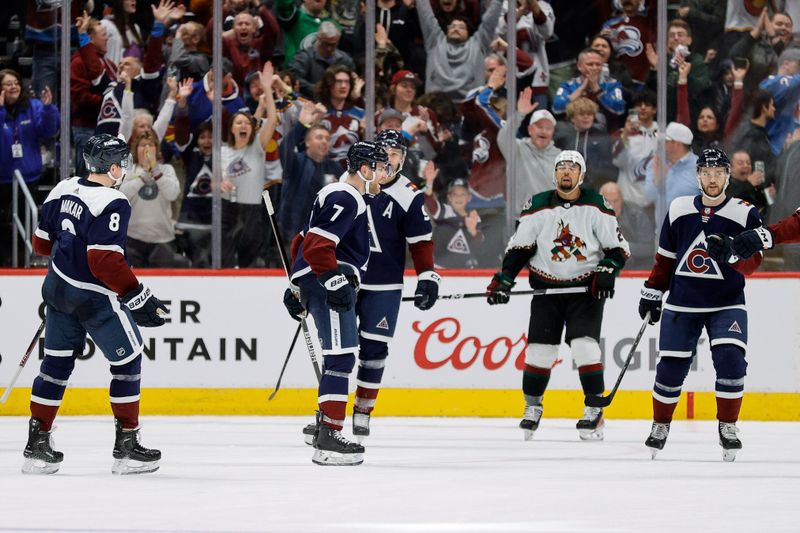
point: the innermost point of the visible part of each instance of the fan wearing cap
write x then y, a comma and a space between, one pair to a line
706, 290
457, 235
566, 237
419, 123
664, 183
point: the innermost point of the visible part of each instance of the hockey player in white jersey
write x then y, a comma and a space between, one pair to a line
567, 237
90, 288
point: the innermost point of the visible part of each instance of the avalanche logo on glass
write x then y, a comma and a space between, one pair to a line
696, 263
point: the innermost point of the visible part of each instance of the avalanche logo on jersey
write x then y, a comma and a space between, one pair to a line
627, 41
696, 263
566, 245
458, 244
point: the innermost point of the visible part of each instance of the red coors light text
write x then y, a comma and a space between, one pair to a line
439, 344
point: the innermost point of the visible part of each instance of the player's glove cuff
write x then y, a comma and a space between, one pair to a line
430, 275
333, 280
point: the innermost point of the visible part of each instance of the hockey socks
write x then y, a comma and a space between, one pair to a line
728, 409
592, 378
534, 380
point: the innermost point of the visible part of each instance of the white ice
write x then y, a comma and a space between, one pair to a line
247, 474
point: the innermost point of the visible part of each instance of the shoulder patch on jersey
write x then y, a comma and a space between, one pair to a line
403, 192
589, 197
681, 206
696, 263
736, 210
536, 202
98, 198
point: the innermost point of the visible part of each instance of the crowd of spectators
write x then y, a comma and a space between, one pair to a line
293, 95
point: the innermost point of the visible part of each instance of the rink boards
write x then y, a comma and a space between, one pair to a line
228, 337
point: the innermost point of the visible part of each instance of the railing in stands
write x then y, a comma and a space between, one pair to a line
31, 219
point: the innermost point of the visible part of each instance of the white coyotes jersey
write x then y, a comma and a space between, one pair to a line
570, 237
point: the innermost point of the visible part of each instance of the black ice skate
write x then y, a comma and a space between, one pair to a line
309, 434
40, 457
331, 448
360, 425
130, 457
657, 438
591, 425
729, 441
530, 420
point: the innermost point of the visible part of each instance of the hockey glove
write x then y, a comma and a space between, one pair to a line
751, 241
340, 292
293, 305
427, 290
719, 247
146, 309
650, 302
603, 280
499, 290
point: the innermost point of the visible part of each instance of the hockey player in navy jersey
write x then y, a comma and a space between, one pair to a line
703, 292
89, 288
397, 219
567, 237
329, 258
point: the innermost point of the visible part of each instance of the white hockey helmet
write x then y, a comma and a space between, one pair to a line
574, 157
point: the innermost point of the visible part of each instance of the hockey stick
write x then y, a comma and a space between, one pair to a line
285, 261
605, 401
286, 362
23, 361
533, 292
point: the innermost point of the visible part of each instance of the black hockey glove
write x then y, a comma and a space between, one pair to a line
499, 290
293, 305
650, 302
427, 290
751, 241
147, 310
340, 292
603, 280
719, 247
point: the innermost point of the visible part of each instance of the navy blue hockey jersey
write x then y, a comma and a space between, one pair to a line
340, 215
699, 283
397, 217
79, 216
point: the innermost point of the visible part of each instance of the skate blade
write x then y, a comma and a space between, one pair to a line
127, 466
729, 456
360, 438
326, 458
308, 439
528, 434
653, 453
39, 467
591, 434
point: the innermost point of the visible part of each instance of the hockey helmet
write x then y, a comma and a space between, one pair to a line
393, 139
365, 153
713, 158
573, 157
103, 150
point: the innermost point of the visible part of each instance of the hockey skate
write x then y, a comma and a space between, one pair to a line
360, 426
130, 457
530, 420
657, 438
309, 433
332, 448
590, 427
729, 441
40, 457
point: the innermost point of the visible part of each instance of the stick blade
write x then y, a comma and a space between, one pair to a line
271, 396
598, 401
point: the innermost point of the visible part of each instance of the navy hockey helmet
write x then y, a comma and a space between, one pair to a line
103, 150
392, 139
365, 153
713, 157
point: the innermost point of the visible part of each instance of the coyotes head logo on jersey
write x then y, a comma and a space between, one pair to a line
567, 245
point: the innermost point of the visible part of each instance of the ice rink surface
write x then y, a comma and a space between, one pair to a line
249, 474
